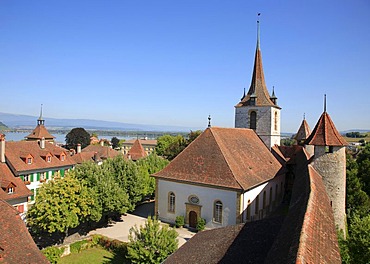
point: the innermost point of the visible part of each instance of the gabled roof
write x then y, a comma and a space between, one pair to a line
137, 151
258, 87
40, 132
325, 133
303, 131
15, 150
83, 157
16, 244
20, 191
103, 152
225, 157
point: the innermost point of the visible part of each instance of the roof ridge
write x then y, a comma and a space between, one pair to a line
226, 160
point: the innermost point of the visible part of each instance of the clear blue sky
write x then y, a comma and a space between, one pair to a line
175, 62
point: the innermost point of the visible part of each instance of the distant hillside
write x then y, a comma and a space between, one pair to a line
3, 126
29, 122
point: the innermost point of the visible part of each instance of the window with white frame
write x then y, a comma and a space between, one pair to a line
217, 212
171, 202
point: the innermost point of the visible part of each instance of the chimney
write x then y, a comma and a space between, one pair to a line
96, 156
2, 148
78, 148
42, 143
101, 142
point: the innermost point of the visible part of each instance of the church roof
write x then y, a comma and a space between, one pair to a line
40, 132
16, 244
303, 131
233, 158
325, 133
137, 151
258, 86
307, 234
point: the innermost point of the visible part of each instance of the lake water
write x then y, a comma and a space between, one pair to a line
59, 138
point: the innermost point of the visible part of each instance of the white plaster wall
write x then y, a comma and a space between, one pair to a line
207, 197
251, 196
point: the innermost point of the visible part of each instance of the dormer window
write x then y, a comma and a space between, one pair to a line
62, 157
48, 158
10, 190
29, 160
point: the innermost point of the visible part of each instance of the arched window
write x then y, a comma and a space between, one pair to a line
257, 205
249, 210
171, 202
217, 212
276, 121
253, 120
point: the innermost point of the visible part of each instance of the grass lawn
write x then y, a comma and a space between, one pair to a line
93, 255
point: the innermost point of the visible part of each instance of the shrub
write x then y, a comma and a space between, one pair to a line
79, 245
151, 243
53, 254
180, 221
112, 245
201, 224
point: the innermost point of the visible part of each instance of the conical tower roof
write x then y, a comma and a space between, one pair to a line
325, 133
137, 151
258, 88
303, 131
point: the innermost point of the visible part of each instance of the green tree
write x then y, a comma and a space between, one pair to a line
115, 142
77, 136
103, 181
61, 204
359, 239
151, 243
363, 162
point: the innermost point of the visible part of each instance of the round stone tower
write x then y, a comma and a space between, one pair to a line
330, 162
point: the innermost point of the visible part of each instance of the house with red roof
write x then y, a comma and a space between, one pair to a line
148, 145
136, 151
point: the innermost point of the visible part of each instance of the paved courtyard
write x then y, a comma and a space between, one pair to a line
119, 230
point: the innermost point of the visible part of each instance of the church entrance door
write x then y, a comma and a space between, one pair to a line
193, 219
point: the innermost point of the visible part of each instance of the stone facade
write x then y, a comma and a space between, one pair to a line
330, 163
267, 122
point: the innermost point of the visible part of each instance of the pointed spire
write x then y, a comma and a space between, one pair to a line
209, 121
257, 94
324, 103
40, 121
303, 132
273, 96
304, 116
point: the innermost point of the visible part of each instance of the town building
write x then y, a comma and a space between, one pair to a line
136, 151
40, 132
148, 145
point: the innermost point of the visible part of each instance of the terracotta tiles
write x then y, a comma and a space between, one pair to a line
40, 132
16, 244
225, 157
20, 190
103, 152
303, 131
17, 154
137, 151
325, 133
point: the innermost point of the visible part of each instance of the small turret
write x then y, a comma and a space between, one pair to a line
273, 97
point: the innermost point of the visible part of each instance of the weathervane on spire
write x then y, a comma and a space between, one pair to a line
325, 103
40, 121
258, 30
304, 116
209, 121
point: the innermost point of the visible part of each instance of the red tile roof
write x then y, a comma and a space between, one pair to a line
103, 152
325, 133
225, 157
83, 157
16, 244
303, 131
306, 235
20, 191
137, 151
258, 85
40, 132
15, 153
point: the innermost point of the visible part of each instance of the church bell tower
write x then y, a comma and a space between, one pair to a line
258, 110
